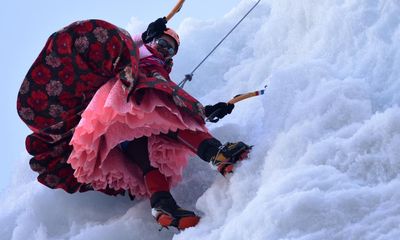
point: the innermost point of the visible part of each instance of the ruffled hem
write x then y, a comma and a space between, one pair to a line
109, 120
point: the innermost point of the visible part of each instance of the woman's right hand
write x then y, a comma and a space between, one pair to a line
154, 30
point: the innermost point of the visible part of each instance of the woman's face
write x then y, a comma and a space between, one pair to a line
165, 45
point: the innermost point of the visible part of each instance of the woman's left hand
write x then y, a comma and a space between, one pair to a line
218, 111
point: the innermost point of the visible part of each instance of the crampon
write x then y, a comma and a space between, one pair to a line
168, 214
228, 155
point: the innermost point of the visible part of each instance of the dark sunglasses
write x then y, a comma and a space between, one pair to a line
164, 44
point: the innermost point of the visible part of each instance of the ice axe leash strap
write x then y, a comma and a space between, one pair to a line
188, 77
213, 116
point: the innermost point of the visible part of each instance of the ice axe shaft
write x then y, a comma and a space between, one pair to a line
176, 9
244, 96
213, 116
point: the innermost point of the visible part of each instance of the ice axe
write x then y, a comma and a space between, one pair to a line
176, 9
213, 116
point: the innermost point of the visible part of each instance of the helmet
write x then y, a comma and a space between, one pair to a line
173, 35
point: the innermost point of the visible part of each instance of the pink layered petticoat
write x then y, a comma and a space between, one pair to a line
109, 120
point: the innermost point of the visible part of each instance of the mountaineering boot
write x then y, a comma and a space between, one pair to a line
228, 155
211, 150
164, 208
167, 213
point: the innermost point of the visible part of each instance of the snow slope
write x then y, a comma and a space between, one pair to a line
326, 160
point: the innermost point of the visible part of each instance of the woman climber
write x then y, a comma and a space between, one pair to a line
106, 116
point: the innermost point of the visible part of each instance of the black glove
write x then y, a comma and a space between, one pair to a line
154, 30
218, 111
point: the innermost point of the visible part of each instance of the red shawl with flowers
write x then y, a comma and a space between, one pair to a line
75, 62
154, 73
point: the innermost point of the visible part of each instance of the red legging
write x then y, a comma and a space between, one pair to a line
137, 151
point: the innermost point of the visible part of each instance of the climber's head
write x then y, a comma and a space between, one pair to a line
168, 43
175, 37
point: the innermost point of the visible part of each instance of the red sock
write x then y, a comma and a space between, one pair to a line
193, 139
156, 182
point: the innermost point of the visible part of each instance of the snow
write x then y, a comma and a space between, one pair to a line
326, 134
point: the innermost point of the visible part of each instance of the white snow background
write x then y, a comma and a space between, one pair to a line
326, 134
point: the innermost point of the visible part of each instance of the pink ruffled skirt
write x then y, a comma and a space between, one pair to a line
109, 120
